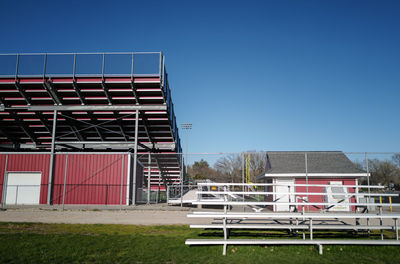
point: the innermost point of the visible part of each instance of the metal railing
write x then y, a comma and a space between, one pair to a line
81, 64
179, 194
170, 107
156, 196
225, 194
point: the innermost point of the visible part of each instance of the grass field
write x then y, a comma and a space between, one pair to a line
61, 243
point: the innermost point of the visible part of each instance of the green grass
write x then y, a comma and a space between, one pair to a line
61, 243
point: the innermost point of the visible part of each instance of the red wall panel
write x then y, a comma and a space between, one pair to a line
59, 171
319, 198
2, 165
91, 178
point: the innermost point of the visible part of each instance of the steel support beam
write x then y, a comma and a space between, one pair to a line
147, 145
11, 138
86, 108
182, 178
93, 119
73, 127
43, 121
91, 125
78, 92
52, 93
148, 179
120, 126
23, 93
2, 102
135, 92
28, 101
52, 159
146, 124
135, 156
24, 128
101, 145
106, 92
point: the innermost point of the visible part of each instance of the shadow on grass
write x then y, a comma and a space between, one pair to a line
284, 234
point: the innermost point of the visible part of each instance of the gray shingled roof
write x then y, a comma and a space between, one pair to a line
318, 162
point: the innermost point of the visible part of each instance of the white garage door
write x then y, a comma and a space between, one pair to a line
23, 187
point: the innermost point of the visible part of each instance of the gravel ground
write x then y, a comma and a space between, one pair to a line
138, 215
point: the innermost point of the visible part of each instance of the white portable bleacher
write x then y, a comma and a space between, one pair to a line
296, 221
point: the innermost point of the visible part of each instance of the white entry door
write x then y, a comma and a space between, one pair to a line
283, 194
23, 187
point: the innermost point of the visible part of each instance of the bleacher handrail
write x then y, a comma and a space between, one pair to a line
295, 185
298, 193
39, 64
217, 202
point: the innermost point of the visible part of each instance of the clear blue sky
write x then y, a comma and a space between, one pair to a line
249, 75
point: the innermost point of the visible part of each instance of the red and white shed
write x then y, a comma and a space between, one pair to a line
324, 172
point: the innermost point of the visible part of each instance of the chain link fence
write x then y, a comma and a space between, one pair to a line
173, 178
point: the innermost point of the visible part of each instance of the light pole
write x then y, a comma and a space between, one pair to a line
187, 127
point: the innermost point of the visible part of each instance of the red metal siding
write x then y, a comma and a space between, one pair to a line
59, 171
319, 198
32, 162
91, 179
2, 165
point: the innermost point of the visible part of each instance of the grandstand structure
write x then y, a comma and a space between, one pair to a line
90, 104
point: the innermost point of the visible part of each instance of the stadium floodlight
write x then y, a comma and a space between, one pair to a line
186, 126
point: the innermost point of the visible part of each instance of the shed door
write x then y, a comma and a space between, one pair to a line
283, 194
23, 187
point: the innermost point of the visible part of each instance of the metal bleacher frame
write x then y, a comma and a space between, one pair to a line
91, 102
292, 221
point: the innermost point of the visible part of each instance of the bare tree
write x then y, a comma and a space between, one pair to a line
396, 159
384, 172
233, 165
230, 166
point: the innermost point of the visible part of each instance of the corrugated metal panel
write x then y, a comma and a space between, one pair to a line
2, 165
32, 162
59, 172
91, 179
319, 198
